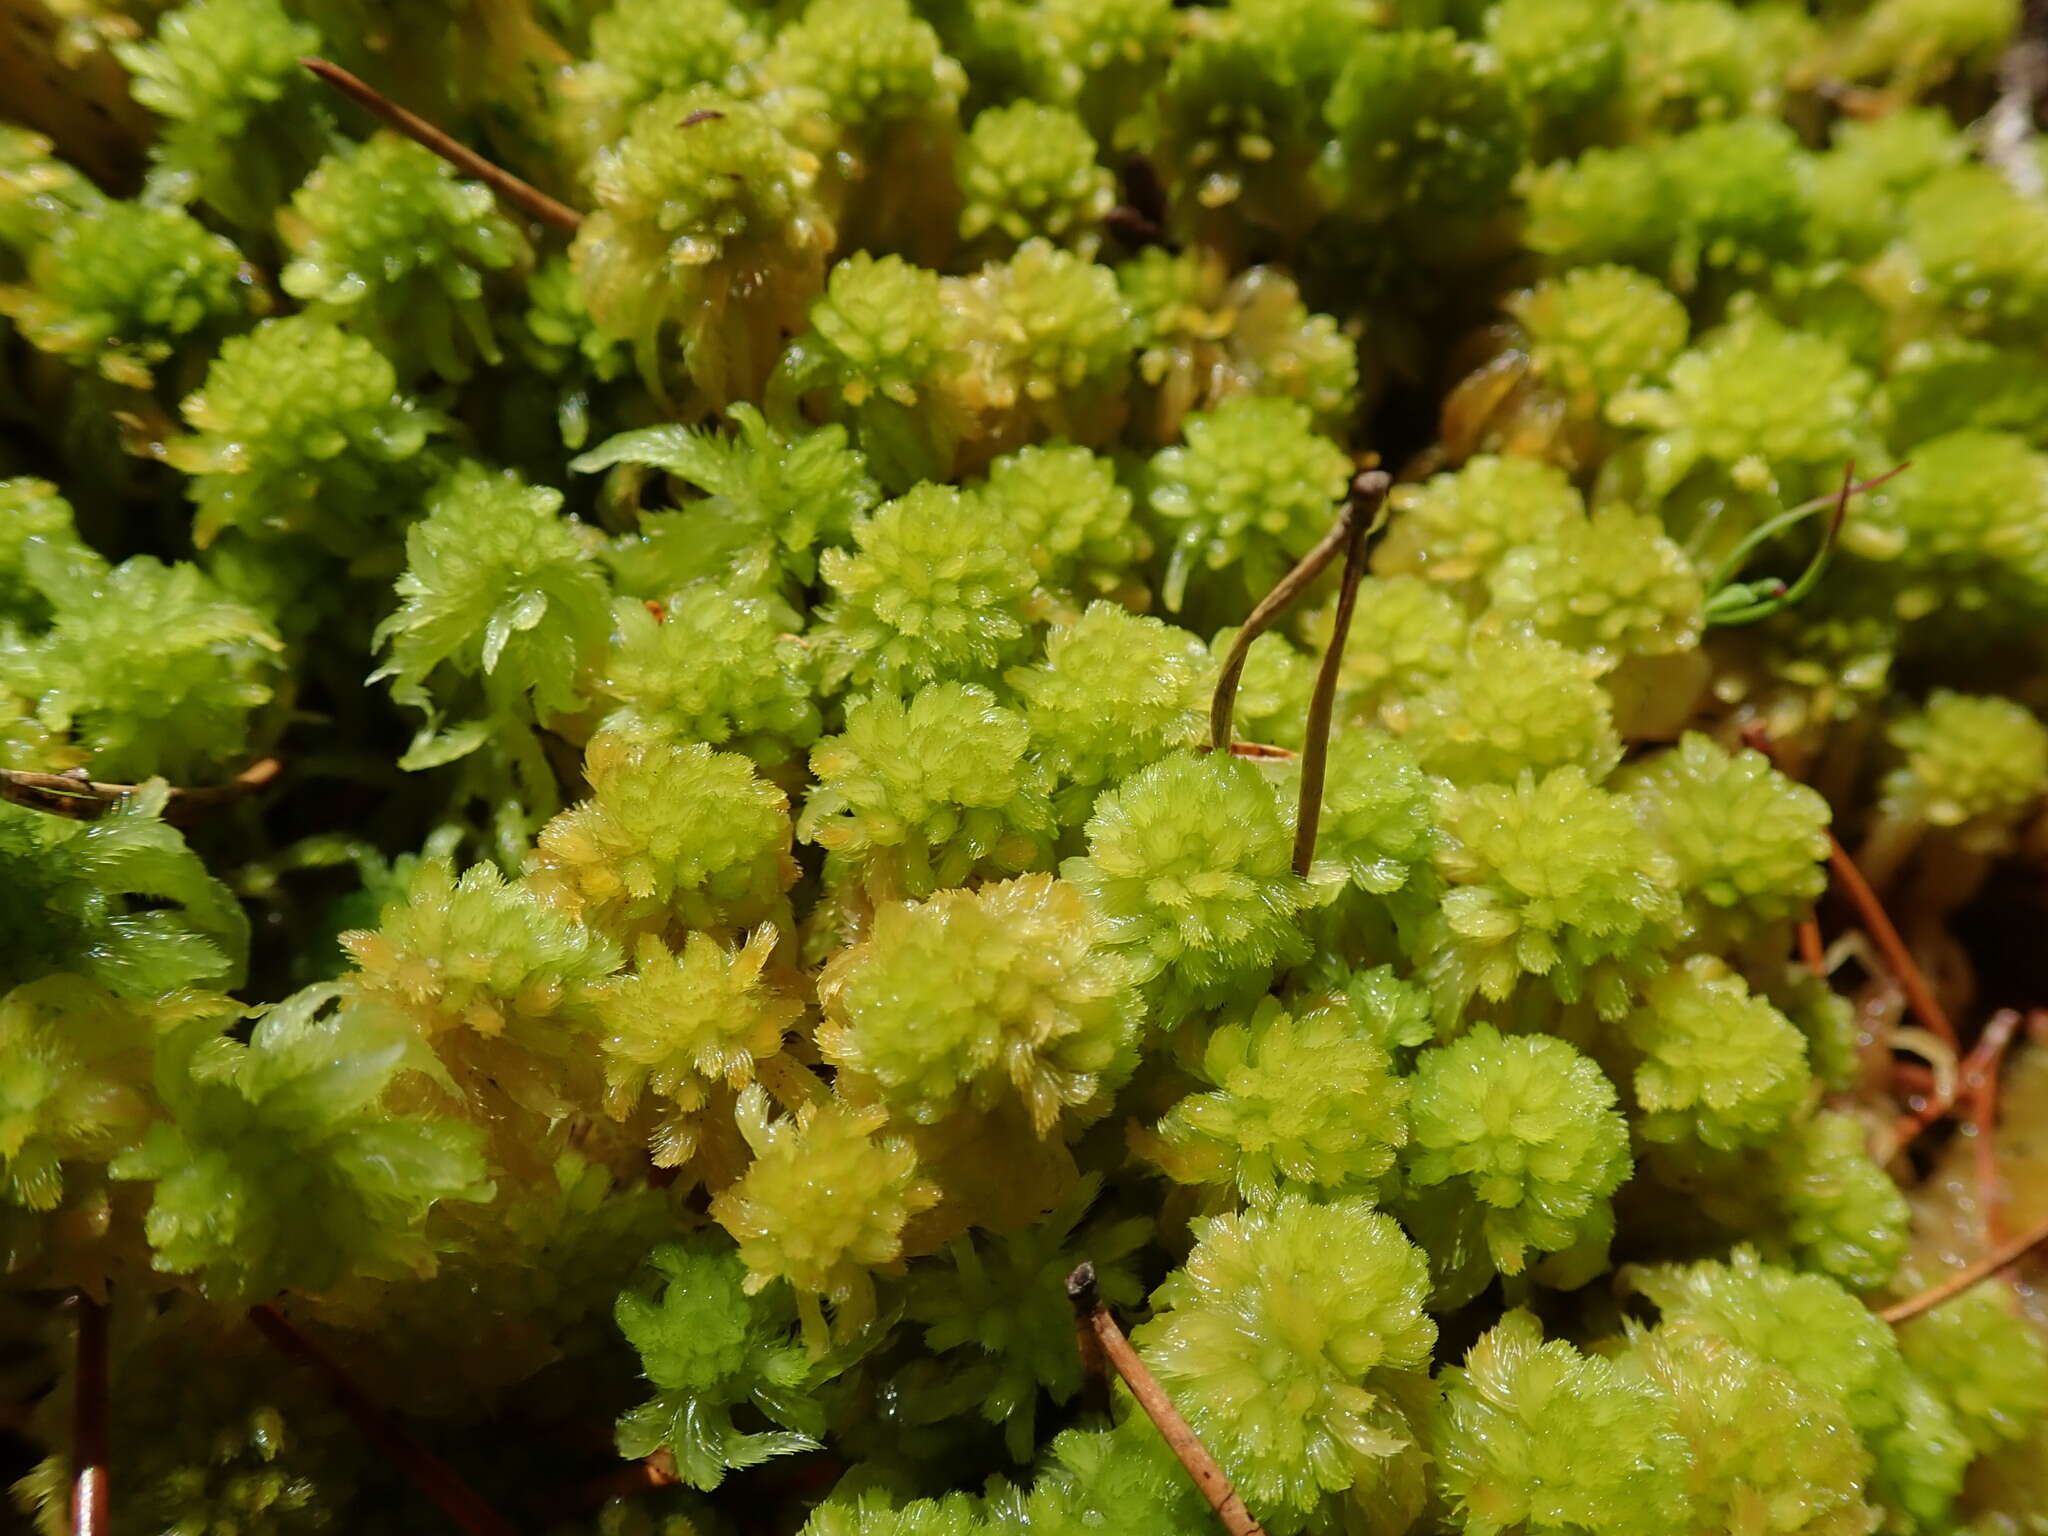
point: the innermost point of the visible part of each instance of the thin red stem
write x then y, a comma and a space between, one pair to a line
1094, 1319
1976, 1079
524, 196
433, 1477
91, 1512
1812, 953
2004, 1256
1223, 703
1876, 921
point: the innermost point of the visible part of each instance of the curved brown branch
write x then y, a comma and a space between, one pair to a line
83, 799
1876, 921
1975, 1082
524, 196
1095, 1323
1812, 953
2004, 1256
1223, 704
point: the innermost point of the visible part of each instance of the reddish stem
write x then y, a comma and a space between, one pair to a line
1976, 1081
1912, 980
1812, 953
1223, 703
2002, 1257
1876, 921
524, 196
91, 1513
1913, 1077
1094, 1319
433, 1477
1986, 1059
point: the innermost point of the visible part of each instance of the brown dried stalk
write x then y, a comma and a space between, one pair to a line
1975, 1080
1981, 1075
524, 196
1812, 953
1095, 1322
2004, 1256
432, 1476
82, 799
91, 1513
1361, 515
1876, 921
1354, 511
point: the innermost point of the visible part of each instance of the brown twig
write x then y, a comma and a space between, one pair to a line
1986, 1059
1975, 1080
1876, 921
1223, 705
1812, 953
1361, 516
91, 1513
83, 799
2004, 1256
524, 196
433, 1477
1096, 1323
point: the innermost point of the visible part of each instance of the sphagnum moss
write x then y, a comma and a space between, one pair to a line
746, 900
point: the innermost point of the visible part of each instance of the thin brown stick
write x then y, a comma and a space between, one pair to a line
1223, 706
1984, 1123
1876, 921
91, 1508
1180, 1438
524, 196
1974, 1080
433, 1477
1914, 1077
1361, 515
1812, 953
2004, 1256
82, 799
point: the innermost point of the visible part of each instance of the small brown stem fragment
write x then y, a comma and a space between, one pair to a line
1096, 1323
1912, 980
1223, 706
433, 1477
1975, 1082
90, 1505
83, 799
1984, 1127
1876, 921
1368, 495
2004, 1256
524, 196
1812, 953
